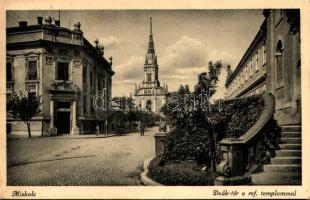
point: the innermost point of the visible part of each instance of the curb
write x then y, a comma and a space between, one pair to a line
144, 178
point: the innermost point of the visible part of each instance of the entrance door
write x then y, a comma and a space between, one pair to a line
63, 122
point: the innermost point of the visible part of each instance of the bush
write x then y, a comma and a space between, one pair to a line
193, 140
236, 116
181, 173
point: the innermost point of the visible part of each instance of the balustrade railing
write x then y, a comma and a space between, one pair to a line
244, 155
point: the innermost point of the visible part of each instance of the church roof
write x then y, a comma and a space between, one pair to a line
151, 48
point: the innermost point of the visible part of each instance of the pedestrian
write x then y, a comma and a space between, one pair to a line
97, 129
142, 128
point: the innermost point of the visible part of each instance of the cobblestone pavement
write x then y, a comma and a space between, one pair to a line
91, 160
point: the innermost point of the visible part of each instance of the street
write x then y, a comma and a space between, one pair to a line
79, 160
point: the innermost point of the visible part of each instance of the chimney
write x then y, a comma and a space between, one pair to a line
23, 24
57, 22
40, 20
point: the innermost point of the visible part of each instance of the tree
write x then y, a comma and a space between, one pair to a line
207, 83
194, 137
24, 108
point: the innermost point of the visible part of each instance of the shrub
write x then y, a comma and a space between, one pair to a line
181, 173
193, 139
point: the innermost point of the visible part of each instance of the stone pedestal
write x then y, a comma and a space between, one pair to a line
232, 169
160, 138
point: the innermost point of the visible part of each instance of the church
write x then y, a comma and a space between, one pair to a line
150, 95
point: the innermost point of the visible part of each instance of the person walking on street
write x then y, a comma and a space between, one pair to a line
142, 128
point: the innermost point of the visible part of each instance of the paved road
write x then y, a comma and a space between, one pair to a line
77, 160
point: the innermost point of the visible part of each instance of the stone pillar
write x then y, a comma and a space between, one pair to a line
75, 129
160, 138
52, 113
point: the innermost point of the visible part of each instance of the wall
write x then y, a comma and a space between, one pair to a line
287, 94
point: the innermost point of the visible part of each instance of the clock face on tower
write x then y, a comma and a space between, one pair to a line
148, 70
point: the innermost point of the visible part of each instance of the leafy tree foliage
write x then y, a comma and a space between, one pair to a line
24, 108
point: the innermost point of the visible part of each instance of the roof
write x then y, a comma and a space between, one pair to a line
90, 49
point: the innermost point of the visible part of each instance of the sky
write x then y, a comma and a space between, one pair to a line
185, 40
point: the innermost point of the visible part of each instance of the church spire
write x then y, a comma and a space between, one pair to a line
151, 48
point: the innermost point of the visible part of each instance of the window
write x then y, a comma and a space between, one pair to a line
91, 77
100, 85
104, 83
251, 68
264, 55
9, 74
256, 61
84, 104
84, 74
279, 65
91, 105
62, 71
32, 70
149, 77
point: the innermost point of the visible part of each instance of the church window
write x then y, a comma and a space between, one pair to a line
149, 77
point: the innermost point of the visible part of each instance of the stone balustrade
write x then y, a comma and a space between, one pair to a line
237, 153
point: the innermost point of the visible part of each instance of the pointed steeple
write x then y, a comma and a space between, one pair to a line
151, 48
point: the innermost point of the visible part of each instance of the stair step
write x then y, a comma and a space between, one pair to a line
286, 160
288, 153
282, 168
290, 146
291, 134
291, 140
291, 128
275, 178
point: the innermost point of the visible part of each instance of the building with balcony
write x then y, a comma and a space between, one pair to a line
61, 67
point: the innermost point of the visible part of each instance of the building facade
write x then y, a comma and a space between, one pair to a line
249, 77
61, 67
149, 94
277, 65
284, 57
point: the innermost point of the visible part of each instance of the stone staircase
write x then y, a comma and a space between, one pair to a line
285, 167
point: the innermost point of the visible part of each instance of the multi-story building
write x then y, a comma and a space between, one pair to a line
272, 64
149, 94
61, 67
249, 77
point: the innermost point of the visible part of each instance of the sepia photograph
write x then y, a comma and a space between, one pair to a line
154, 97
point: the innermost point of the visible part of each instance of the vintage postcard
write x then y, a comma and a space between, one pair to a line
154, 99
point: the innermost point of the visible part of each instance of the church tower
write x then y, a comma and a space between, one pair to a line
150, 65
150, 95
